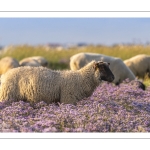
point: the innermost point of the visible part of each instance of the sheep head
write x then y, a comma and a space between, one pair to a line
102, 68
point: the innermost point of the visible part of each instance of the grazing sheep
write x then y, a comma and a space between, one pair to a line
139, 65
41, 60
35, 84
32, 63
118, 68
7, 63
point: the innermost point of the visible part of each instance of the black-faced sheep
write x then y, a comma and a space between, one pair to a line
139, 65
118, 68
7, 63
39, 83
29, 60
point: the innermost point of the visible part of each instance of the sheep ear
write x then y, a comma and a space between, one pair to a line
108, 64
95, 65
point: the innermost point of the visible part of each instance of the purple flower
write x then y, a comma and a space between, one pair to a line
123, 108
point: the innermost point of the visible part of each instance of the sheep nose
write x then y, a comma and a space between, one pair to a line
112, 78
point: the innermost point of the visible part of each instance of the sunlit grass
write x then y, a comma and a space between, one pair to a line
59, 59
146, 81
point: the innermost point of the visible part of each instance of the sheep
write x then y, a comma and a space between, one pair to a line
7, 63
35, 84
32, 62
139, 65
118, 68
41, 60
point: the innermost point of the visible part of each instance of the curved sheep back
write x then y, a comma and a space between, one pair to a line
77, 61
32, 63
28, 83
118, 68
8, 63
40, 60
139, 64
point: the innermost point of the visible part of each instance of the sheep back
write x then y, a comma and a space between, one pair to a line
41, 60
117, 66
139, 64
8, 63
30, 84
30, 62
39, 83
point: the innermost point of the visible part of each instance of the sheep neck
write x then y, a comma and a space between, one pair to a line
87, 75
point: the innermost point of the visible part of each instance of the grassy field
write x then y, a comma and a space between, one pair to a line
59, 59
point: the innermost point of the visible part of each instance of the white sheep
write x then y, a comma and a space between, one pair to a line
40, 83
29, 60
118, 68
32, 63
7, 63
139, 65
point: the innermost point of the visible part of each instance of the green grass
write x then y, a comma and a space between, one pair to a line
60, 59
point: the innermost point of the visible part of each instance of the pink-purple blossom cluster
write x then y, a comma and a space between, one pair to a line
123, 108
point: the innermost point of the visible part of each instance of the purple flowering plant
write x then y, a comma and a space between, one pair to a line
123, 108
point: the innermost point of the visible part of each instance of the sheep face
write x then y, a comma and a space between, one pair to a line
45, 64
104, 72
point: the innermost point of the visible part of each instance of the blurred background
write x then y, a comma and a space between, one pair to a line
57, 39
74, 31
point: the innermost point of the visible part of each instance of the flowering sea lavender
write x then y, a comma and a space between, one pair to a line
123, 108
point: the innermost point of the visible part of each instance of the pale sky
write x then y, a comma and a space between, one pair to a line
106, 31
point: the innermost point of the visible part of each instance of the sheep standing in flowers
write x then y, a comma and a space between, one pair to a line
36, 84
117, 66
139, 65
34, 61
7, 63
